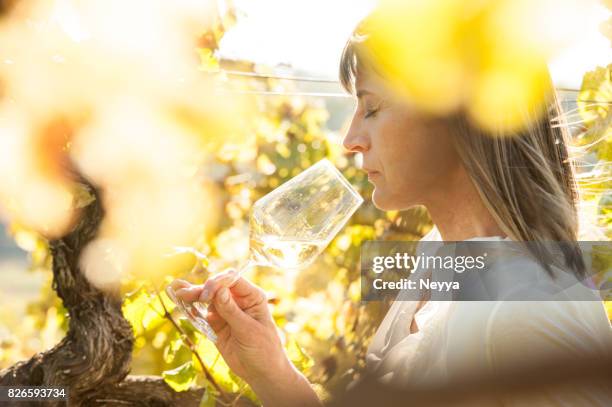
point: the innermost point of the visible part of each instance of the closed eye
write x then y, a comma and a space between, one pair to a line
371, 112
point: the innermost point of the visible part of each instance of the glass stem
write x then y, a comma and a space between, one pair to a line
251, 262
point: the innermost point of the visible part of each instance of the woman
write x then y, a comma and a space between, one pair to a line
476, 187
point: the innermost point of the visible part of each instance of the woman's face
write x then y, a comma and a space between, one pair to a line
409, 159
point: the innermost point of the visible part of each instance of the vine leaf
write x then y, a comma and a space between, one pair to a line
182, 377
172, 348
298, 356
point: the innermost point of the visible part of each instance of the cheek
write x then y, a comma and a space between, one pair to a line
415, 156
405, 147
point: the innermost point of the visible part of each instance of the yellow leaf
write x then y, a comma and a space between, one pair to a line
208, 61
296, 354
81, 196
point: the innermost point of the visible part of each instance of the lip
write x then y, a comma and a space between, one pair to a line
371, 173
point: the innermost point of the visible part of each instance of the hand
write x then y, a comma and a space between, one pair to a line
248, 338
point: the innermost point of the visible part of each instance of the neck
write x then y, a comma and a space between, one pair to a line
459, 213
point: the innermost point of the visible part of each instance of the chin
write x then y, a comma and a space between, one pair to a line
384, 202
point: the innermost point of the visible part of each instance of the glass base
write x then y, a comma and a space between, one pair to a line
196, 313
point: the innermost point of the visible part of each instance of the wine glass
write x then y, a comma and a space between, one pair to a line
290, 226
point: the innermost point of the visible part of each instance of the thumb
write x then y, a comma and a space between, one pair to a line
240, 323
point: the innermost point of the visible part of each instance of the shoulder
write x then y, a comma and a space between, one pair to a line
517, 276
537, 304
519, 330
497, 335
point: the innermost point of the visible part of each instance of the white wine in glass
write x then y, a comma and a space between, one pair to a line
290, 226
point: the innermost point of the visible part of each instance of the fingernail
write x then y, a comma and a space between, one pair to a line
229, 275
205, 294
224, 295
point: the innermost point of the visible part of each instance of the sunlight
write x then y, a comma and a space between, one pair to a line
328, 24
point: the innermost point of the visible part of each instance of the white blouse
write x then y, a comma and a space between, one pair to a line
460, 337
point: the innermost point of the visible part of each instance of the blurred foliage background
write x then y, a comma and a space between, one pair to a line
318, 310
325, 327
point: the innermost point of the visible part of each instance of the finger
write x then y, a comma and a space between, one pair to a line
213, 284
173, 287
216, 322
241, 324
178, 283
189, 294
242, 287
254, 302
252, 295
246, 294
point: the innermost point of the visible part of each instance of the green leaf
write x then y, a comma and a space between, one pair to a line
595, 94
296, 354
172, 347
243, 387
187, 328
182, 377
218, 368
134, 309
143, 310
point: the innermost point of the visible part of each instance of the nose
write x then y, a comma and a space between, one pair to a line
356, 139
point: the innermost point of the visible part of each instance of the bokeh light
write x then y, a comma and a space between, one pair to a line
486, 57
116, 93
